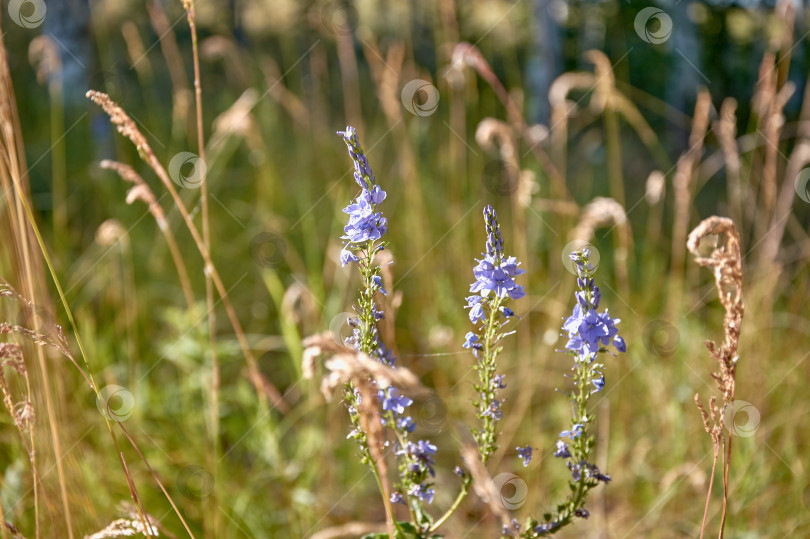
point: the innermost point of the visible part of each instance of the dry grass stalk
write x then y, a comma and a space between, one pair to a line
726, 130
483, 485
183, 121
345, 365
9, 528
466, 54
608, 97
283, 96
683, 184
124, 124
602, 212
562, 109
225, 49
368, 376
141, 191
137, 52
24, 237
726, 262
124, 527
238, 120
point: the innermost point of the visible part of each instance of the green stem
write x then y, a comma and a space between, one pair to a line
465, 488
486, 442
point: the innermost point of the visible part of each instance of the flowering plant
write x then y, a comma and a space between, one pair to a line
378, 409
589, 333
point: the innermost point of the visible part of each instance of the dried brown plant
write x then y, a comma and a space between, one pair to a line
725, 261
126, 126
684, 185
606, 212
141, 191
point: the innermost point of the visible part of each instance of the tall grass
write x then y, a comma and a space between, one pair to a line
223, 425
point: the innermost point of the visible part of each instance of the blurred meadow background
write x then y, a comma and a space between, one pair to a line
576, 120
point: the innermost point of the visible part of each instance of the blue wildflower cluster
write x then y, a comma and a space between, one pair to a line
493, 287
589, 333
362, 241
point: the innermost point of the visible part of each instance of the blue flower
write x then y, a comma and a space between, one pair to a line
599, 476
362, 170
574, 433
477, 313
423, 453
494, 410
394, 401
396, 497
347, 256
493, 229
561, 450
494, 276
618, 342
422, 492
471, 339
363, 225
497, 382
545, 529
379, 283
525, 453
598, 383
406, 424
